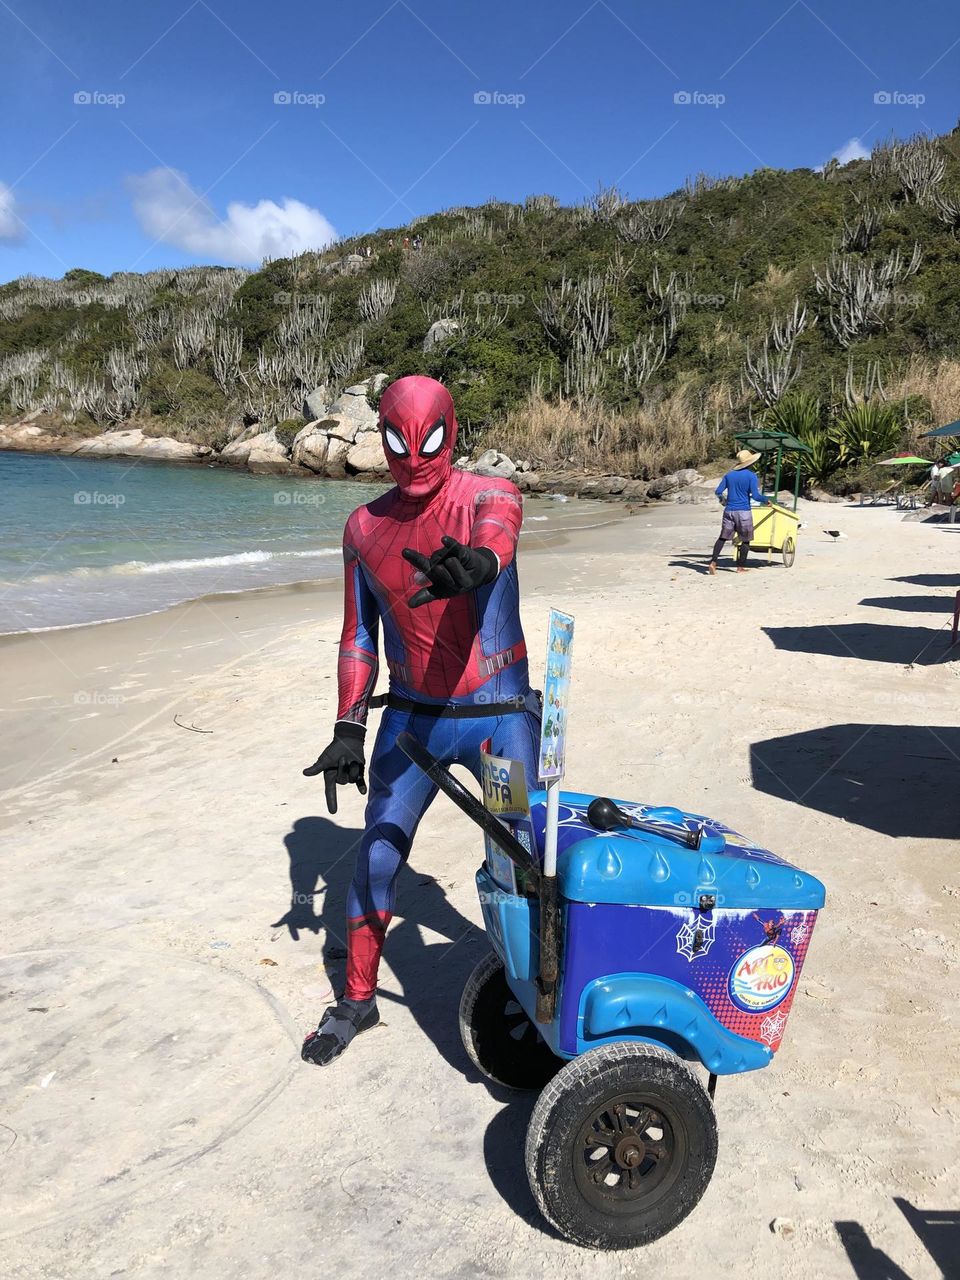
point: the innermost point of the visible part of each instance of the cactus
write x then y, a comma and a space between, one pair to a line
376, 299
304, 321
771, 373
857, 236
919, 165
643, 357
225, 355
651, 222
784, 333
860, 294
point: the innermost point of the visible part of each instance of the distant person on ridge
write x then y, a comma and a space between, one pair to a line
738, 486
431, 564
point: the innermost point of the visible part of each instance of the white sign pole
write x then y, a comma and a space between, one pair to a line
550, 828
553, 736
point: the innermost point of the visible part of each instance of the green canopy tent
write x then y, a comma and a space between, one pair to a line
945, 432
772, 445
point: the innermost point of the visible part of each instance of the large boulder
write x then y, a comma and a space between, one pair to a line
268, 456
439, 333
27, 438
262, 453
668, 486
367, 454
310, 446
496, 465
664, 486
353, 413
315, 403
336, 464
603, 486
132, 443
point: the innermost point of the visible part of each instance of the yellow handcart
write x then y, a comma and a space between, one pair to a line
774, 529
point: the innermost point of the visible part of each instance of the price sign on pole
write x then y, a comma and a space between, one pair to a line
556, 696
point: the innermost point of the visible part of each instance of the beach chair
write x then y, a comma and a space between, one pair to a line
881, 497
912, 499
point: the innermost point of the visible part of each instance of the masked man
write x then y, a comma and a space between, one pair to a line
433, 563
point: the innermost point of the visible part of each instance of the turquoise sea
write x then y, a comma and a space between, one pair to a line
89, 539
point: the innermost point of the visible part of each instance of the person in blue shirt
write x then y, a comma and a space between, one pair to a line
735, 491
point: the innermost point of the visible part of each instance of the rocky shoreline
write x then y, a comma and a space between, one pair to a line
339, 440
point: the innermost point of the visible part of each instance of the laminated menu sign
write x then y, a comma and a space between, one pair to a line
505, 795
556, 697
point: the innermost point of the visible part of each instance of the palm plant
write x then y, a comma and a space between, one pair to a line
865, 430
801, 414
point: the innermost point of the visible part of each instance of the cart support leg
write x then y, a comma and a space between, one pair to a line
549, 963
712, 1085
549, 968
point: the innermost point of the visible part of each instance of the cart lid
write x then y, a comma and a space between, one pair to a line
638, 867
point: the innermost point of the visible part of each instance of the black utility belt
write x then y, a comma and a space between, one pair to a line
454, 711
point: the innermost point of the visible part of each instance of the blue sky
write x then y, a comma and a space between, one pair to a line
140, 136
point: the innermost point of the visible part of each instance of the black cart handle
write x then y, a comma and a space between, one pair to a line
454, 790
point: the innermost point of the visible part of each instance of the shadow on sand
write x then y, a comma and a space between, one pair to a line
938, 1230
869, 642
912, 604
930, 580
431, 975
891, 778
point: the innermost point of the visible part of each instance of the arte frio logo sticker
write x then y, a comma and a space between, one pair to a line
761, 978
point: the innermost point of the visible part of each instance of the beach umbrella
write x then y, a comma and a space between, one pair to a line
905, 460
951, 429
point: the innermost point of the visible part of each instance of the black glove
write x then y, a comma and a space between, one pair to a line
342, 762
453, 569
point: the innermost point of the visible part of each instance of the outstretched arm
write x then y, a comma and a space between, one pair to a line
496, 527
755, 493
358, 663
455, 568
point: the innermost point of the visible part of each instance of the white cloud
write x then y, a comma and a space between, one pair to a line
169, 210
853, 149
11, 226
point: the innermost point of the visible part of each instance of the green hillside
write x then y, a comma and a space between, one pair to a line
616, 334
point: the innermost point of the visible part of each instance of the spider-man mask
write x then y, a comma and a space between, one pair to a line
419, 430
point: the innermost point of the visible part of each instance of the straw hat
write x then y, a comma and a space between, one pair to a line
745, 459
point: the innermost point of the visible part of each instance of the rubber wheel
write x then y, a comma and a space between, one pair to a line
621, 1145
500, 1039
789, 552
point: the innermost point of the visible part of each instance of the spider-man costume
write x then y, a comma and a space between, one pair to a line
433, 562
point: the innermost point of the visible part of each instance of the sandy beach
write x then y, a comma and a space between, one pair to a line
156, 1118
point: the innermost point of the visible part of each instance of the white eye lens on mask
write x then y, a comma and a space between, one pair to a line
434, 441
395, 442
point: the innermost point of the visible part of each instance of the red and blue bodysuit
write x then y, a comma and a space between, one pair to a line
456, 651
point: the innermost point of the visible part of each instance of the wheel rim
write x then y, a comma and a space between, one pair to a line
627, 1153
517, 1026
789, 552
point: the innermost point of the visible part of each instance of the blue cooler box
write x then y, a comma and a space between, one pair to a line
697, 950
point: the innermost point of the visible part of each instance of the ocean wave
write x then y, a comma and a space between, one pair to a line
238, 558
